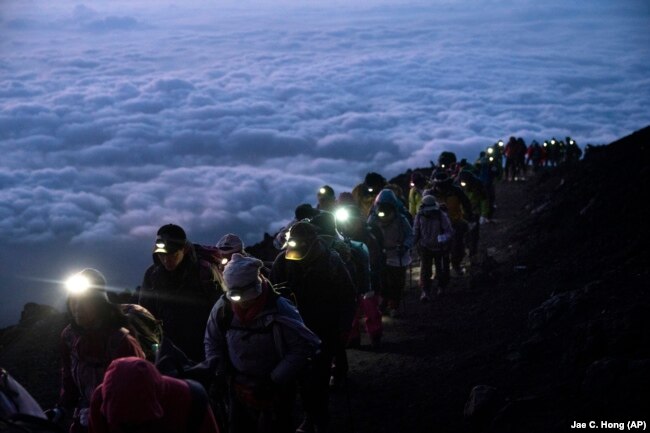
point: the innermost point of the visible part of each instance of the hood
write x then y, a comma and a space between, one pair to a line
387, 196
132, 391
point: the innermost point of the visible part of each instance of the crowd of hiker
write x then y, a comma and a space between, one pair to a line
217, 340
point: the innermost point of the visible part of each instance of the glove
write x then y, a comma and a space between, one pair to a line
369, 294
482, 220
56, 415
84, 416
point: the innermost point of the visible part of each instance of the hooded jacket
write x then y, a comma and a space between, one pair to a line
275, 343
182, 299
135, 393
397, 232
430, 222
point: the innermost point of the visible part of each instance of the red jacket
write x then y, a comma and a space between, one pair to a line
134, 393
85, 355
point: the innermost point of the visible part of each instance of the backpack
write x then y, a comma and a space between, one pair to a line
19, 412
148, 330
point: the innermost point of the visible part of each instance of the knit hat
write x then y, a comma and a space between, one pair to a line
230, 243
89, 283
428, 203
326, 192
242, 278
171, 238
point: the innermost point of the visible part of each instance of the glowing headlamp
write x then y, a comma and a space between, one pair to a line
490, 150
292, 244
235, 298
552, 141
77, 284
442, 165
160, 245
322, 190
342, 214
370, 190
412, 184
381, 214
572, 142
463, 184
500, 143
491, 158
224, 261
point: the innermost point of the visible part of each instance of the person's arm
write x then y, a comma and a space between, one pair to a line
214, 339
69, 393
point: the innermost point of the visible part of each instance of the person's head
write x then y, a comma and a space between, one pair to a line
228, 245
87, 301
428, 203
441, 180
326, 197
171, 246
132, 394
301, 239
418, 180
385, 212
375, 182
305, 211
243, 283
326, 223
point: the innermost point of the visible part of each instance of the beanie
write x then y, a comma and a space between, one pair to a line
230, 243
242, 272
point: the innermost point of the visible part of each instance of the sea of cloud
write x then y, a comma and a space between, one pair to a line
118, 117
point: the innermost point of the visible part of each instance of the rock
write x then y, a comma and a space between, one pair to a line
33, 313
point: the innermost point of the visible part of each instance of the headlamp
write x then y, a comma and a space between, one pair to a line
552, 141
235, 298
442, 165
545, 144
322, 190
77, 284
491, 158
292, 244
342, 214
572, 142
463, 184
224, 261
490, 150
412, 184
370, 190
500, 143
381, 214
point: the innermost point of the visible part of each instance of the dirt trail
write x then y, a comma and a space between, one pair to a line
436, 352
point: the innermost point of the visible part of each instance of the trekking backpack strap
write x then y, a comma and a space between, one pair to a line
198, 406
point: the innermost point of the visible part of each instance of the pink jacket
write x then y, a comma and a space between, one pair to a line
135, 394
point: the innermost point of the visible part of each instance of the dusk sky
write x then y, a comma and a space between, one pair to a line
118, 117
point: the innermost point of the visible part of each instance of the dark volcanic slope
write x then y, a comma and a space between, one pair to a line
553, 319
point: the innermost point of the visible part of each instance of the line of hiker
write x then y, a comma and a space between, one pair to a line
217, 340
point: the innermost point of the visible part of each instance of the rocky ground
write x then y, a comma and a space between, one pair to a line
548, 327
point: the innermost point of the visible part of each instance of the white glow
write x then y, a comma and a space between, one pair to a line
77, 284
342, 214
323, 190
463, 184
292, 244
235, 298
490, 150
160, 245
381, 214
224, 261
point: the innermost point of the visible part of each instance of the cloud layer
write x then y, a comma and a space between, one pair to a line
115, 118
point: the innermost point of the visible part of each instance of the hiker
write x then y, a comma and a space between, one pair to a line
180, 289
418, 182
478, 197
397, 240
432, 235
97, 334
136, 398
325, 298
354, 226
453, 200
326, 199
261, 346
302, 211
355, 256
